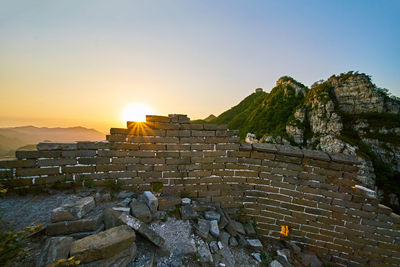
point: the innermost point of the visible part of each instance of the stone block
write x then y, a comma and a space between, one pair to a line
26, 172
142, 229
343, 158
55, 162
140, 210
34, 154
212, 215
197, 133
103, 245
55, 248
88, 224
151, 201
78, 169
9, 164
56, 146
166, 202
316, 154
73, 211
111, 218
214, 229
265, 147
154, 118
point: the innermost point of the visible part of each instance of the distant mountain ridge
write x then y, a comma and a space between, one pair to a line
12, 138
347, 113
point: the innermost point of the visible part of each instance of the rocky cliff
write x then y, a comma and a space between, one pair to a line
347, 113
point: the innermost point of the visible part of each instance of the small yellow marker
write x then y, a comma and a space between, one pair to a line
285, 230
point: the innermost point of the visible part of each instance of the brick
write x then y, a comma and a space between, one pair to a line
246, 173
194, 126
292, 207
36, 171
87, 145
249, 161
55, 162
233, 139
262, 155
178, 147
110, 167
189, 154
78, 169
168, 154
9, 164
221, 133
284, 158
145, 131
214, 153
178, 161
316, 154
265, 147
154, 118
126, 160
142, 154
152, 147
78, 153
343, 158
304, 202
123, 131
280, 197
124, 146
147, 174
48, 146
227, 146
172, 133
203, 133
6, 173
107, 153
117, 138
191, 140
202, 147
210, 126
28, 154
216, 140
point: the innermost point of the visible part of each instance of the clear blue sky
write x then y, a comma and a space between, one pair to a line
82, 61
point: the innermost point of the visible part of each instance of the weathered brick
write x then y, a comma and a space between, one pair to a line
78, 169
47, 146
28, 154
124, 146
189, 154
110, 167
216, 140
9, 164
178, 147
123, 131
152, 147
246, 173
292, 207
55, 162
108, 153
87, 145
227, 146
145, 131
117, 138
214, 153
142, 154
147, 174
221, 133
289, 159
178, 161
6, 173
344, 158
316, 154
203, 133
36, 171
262, 155
154, 118
194, 126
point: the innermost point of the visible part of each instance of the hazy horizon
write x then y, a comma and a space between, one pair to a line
74, 63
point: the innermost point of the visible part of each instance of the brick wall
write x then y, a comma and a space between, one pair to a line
312, 192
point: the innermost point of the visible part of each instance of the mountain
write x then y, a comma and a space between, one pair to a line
347, 113
16, 137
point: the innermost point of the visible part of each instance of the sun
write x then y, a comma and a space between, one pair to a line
136, 112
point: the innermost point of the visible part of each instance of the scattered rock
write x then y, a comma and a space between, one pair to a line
275, 263
214, 229
103, 245
140, 210
233, 242
212, 215
142, 229
224, 237
249, 229
56, 248
124, 203
285, 253
203, 228
204, 252
151, 201
220, 246
122, 259
125, 194
188, 212
227, 256
309, 258
122, 209
213, 247
73, 211
166, 202
255, 243
257, 257
186, 201
111, 218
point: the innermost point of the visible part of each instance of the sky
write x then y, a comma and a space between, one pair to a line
74, 62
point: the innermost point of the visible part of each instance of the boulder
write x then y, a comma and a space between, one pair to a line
204, 252
227, 256
103, 245
91, 223
73, 211
151, 201
309, 258
255, 243
186, 201
124, 203
224, 237
121, 259
233, 242
275, 263
249, 229
140, 210
56, 248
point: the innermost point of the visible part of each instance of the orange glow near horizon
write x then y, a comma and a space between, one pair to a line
136, 112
